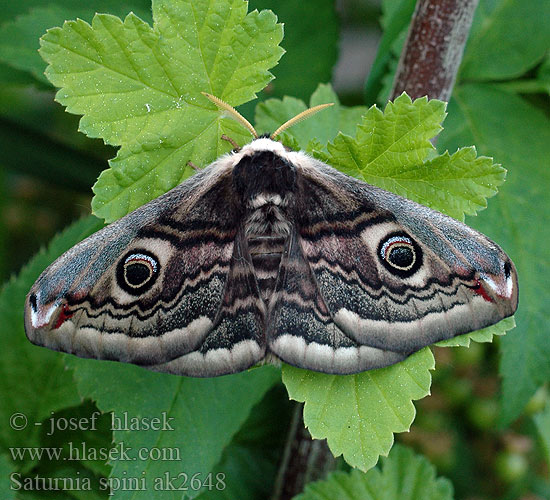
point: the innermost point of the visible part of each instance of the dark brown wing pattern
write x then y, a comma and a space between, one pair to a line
166, 287
370, 277
301, 330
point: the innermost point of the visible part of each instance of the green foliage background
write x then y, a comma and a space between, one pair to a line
491, 442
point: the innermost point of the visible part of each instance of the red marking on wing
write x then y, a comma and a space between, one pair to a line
64, 315
481, 291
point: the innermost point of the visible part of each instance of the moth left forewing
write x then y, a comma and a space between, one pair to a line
396, 275
149, 288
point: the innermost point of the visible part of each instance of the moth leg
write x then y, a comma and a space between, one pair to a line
236, 147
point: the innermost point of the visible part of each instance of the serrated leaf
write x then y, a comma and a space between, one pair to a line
518, 134
390, 151
140, 87
204, 414
358, 414
401, 476
322, 127
498, 46
35, 374
386, 141
483, 335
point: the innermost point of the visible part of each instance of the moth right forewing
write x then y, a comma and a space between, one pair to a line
346, 232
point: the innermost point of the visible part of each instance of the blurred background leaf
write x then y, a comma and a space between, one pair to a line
33, 381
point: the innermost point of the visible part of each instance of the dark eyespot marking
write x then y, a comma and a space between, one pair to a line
32, 302
507, 269
400, 254
137, 271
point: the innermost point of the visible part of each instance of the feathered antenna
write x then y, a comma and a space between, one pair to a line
232, 112
242, 120
299, 117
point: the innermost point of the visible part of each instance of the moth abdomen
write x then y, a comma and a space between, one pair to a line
266, 252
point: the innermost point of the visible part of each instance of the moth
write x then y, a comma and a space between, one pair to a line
270, 254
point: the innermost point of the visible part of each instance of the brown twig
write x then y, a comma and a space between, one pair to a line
304, 460
432, 53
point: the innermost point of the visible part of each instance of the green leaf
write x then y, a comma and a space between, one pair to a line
249, 464
18, 35
204, 414
10, 76
518, 135
386, 141
542, 421
499, 47
19, 38
32, 153
390, 151
323, 126
543, 73
93, 432
20, 8
402, 476
358, 414
6, 469
139, 87
483, 335
36, 375
395, 21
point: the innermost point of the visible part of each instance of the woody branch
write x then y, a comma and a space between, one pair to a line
433, 51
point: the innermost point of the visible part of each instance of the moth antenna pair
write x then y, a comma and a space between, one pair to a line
233, 113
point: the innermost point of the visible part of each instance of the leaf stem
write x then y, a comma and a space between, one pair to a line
435, 44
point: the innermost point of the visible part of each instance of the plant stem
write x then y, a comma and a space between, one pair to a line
304, 459
432, 53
